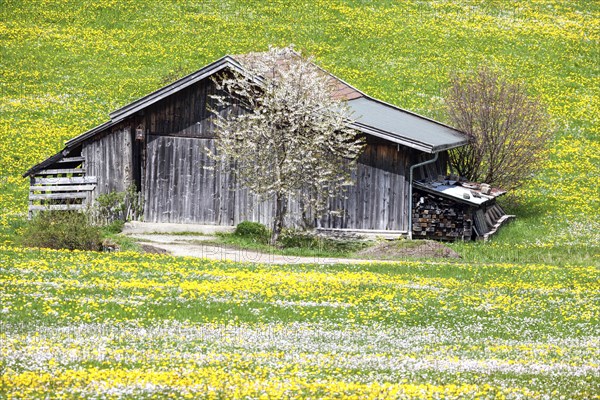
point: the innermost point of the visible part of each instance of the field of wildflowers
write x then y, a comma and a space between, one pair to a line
140, 326
132, 326
66, 64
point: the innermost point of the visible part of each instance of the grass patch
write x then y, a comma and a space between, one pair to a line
122, 242
529, 240
315, 247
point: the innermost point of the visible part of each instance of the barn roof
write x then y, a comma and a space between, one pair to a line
404, 127
120, 114
373, 117
342, 91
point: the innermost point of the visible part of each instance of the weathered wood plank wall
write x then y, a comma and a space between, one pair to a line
109, 160
184, 185
378, 198
186, 114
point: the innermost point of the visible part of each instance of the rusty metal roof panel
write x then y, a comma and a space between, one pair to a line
343, 90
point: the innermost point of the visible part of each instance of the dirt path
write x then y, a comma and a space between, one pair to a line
192, 246
241, 255
202, 245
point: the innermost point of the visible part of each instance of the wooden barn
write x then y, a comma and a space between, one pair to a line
158, 143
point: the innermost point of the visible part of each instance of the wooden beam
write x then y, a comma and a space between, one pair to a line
60, 171
65, 181
60, 196
71, 160
73, 188
55, 207
503, 220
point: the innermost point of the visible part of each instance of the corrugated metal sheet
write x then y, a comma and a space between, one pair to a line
400, 126
464, 192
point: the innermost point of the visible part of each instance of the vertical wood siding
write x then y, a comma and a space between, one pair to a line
109, 159
184, 114
184, 185
378, 199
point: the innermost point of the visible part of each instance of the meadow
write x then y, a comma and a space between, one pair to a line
517, 317
83, 324
66, 64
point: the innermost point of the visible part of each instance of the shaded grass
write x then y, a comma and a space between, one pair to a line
319, 247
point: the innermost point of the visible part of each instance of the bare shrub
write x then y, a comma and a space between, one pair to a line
508, 130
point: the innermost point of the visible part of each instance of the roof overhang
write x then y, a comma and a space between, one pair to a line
377, 118
49, 161
226, 62
203, 73
154, 97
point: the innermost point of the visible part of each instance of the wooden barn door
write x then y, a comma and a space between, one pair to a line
182, 184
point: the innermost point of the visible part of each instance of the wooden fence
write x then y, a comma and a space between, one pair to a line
65, 187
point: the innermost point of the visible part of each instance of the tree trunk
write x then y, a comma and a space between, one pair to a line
280, 211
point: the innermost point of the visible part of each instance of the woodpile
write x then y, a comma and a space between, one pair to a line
435, 217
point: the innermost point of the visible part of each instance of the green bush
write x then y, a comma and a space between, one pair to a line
252, 230
118, 206
62, 230
114, 227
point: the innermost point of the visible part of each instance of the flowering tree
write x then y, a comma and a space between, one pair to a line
284, 133
508, 131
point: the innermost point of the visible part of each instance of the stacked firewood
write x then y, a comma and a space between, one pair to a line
438, 218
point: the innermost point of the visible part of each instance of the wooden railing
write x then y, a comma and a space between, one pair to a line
61, 188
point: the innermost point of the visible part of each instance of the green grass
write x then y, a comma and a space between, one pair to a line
158, 282
88, 324
515, 318
66, 65
320, 247
123, 242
